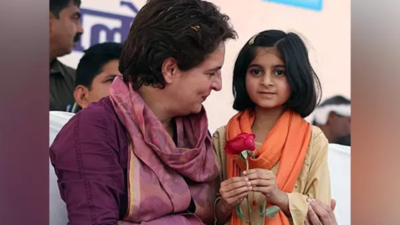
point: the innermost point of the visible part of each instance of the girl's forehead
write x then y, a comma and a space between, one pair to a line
260, 51
264, 54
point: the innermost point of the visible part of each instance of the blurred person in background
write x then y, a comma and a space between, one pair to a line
346, 140
65, 31
95, 72
333, 116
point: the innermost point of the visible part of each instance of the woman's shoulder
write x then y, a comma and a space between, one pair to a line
101, 114
97, 122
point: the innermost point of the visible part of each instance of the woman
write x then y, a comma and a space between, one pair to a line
275, 87
143, 155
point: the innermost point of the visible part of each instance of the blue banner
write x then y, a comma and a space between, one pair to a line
112, 33
306, 4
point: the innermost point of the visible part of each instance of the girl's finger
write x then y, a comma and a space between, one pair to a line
237, 192
233, 186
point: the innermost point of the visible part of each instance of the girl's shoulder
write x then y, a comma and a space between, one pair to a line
318, 141
317, 136
220, 132
219, 139
318, 146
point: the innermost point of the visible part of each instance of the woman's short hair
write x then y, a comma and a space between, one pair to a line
185, 30
303, 81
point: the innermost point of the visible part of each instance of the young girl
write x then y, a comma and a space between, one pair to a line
275, 87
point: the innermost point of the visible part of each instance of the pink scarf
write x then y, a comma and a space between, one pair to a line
162, 176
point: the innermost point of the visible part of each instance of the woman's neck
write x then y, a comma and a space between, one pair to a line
264, 120
159, 108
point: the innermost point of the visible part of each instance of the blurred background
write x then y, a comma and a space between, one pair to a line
324, 25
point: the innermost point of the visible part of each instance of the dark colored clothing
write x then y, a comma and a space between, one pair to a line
90, 158
346, 140
101, 182
62, 85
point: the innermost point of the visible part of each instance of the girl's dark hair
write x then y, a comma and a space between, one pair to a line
302, 79
186, 30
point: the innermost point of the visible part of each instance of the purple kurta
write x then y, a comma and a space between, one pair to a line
90, 156
90, 159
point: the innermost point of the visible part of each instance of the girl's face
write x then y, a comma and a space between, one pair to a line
266, 81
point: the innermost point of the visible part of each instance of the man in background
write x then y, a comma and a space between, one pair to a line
333, 116
96, 71
65, 31
346, 140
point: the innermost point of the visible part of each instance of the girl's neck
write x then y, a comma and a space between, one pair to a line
264, 120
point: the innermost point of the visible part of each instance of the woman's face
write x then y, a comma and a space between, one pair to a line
191, 88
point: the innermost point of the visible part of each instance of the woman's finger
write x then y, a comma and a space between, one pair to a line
323, 214
333, 204
328, 210
306, 222
312, 217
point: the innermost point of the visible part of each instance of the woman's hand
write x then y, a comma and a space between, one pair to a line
264, 181
320, 213
234, 190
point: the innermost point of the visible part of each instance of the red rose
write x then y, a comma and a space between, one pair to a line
240, 143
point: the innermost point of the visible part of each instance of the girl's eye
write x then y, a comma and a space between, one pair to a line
279, 72
256, 72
